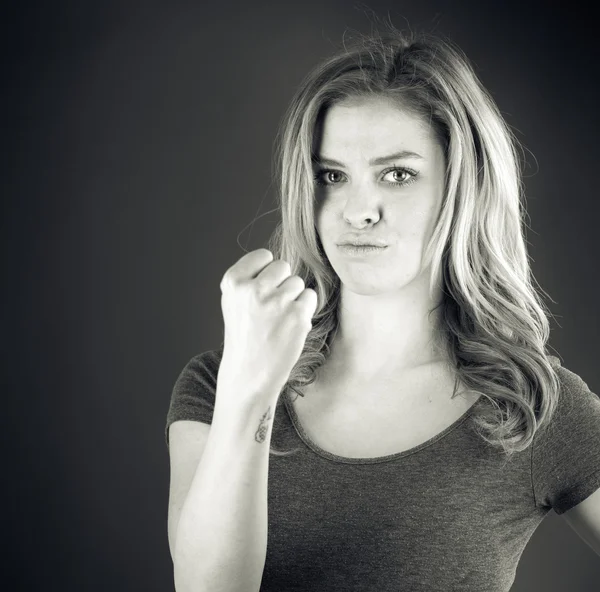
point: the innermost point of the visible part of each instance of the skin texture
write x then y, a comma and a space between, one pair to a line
385, 297
584, 519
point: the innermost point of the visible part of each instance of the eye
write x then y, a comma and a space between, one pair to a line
408, 174
400, 176
328, 174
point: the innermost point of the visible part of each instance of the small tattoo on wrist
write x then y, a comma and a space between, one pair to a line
263, 426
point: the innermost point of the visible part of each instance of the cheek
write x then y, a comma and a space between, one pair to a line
324, 218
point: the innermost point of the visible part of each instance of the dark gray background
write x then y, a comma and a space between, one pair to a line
138, 150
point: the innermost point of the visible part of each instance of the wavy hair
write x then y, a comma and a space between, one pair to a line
493, 323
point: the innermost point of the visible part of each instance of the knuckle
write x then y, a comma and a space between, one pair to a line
262, 256
299, 310
284, 265
295, 280
261, 284
229, 280
224, 281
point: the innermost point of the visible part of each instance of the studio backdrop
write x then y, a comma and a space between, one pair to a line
139, 167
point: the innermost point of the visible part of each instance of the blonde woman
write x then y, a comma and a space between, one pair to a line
383, 413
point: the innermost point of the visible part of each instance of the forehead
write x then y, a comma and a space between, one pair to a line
370, 126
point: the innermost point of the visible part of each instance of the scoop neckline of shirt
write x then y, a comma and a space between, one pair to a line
377, 459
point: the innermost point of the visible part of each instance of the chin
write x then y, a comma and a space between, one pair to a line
376, 283
369, 286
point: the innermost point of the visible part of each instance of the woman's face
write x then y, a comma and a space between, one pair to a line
365, 188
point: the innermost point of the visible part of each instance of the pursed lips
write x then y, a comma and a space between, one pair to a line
366, 242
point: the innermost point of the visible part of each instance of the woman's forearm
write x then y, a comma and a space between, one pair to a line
221, 537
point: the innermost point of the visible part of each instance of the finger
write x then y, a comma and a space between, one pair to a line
274, 273
309, 300
248, 266
292, 287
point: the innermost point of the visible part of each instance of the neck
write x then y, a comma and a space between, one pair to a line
386, 333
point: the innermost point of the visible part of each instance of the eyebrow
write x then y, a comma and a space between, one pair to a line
316, 159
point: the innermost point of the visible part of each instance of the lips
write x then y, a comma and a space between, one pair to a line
364, 242
361, 244
361, 251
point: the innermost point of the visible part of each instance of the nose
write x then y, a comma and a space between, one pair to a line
361, 208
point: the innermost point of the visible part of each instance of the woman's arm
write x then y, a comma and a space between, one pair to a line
221, 533
584, 519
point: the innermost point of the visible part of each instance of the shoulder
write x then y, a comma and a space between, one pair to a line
194, 393
203, 367
565, 456
570, 381
574, 390
577, 407
210, 358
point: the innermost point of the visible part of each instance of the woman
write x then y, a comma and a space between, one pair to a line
434, 432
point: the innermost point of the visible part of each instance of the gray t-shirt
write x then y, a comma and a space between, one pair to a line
449, 515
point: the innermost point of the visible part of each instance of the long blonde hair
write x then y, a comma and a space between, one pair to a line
493, 323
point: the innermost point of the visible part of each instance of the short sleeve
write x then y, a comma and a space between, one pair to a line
194, 392
566, 451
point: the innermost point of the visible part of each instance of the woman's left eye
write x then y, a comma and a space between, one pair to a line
406, 176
